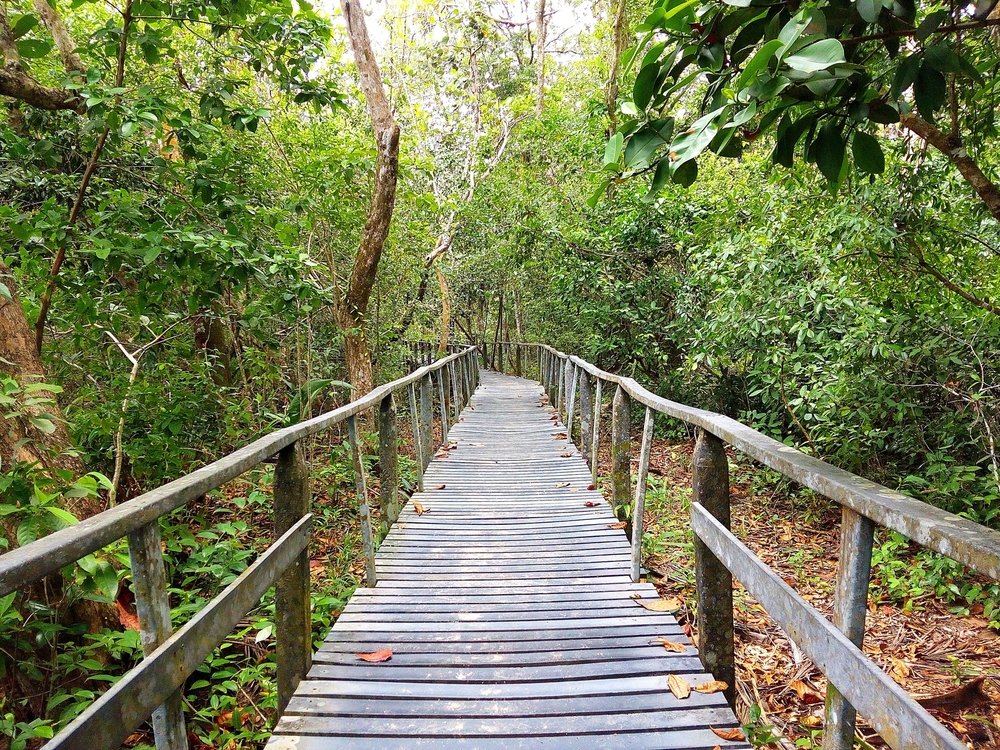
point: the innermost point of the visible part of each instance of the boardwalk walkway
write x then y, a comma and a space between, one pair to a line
509, 610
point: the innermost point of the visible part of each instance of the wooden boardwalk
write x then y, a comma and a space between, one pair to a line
509, 610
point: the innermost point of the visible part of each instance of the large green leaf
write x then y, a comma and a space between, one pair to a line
644, 86
817, 56
829, 149
929, 90
759, 61
868, 156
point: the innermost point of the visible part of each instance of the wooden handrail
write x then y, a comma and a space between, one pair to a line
719, 556
171, 658
25, 565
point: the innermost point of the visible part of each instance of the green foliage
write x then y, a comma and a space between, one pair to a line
817, 76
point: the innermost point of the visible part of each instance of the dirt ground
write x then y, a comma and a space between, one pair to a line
926, 648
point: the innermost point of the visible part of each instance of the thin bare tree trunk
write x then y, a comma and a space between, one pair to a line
540, 56
353, 307
617, 47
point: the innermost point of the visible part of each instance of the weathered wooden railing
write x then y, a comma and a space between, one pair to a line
502, 356
154, 687
576, 387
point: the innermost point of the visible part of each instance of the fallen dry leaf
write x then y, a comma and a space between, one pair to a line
679, 687
811, 721
559, 436
618, 525
660, 605
420, 509
677, 648
713, 686
128, 619
591, 486
375, 657
806, 694
442, 453
562, 484
566, 454
439, 486
635, 595
590, 504
728, 734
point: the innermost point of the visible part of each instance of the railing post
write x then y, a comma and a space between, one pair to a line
292, 615
714, 582
595, 443
426, 418
388, 447
574, 376
586, 415
367, 541
519, 360
621, 450
850, 605
149, 584
443, 404
456, 397
639, 504
418, 449
561, 388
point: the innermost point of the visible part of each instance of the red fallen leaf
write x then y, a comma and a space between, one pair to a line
451, 447
590, 504
618, 525
559, 436
443, 453
728, 734
591, 486
420, 509
439, 486
316, 565
383, 654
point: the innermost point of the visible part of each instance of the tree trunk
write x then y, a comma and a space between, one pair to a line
353, 307
20, 361
540, 57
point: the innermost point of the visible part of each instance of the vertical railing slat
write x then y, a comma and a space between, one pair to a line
586, 415
292, 614
388, 446
571, 401
639, 503
367, 540
621, 452
714, 582
850, 606
418, 450
149, 584
596, 441
442, 405
426, 419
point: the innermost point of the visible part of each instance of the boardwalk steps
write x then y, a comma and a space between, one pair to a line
508, 606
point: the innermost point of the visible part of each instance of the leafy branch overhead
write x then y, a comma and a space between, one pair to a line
822, 78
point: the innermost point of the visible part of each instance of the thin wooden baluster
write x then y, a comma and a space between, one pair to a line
426, 418
367, 538
418, 450
292, 613
560, 393
571, 401
388, 446
594, 454
443, 405
639, 504
519, 360
456, 399
586, 415
850, 605
149, 584
621, 451
714, 582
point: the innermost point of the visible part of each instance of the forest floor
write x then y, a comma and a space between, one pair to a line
924, 644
